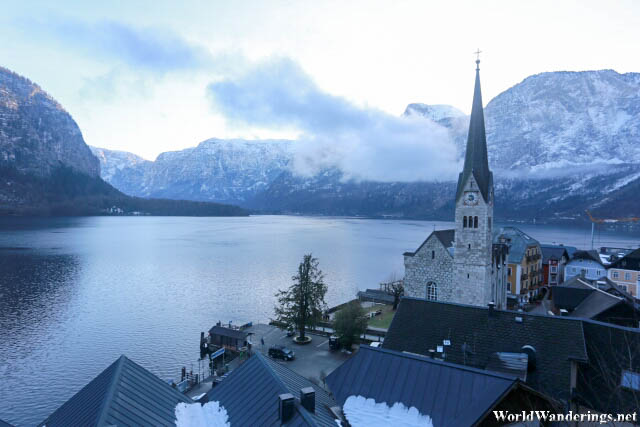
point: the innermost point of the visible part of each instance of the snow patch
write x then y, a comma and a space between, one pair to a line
361, 411
211, 414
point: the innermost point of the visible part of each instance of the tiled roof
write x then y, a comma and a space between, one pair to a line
443, 391
553, 251
519, 242
123, 394
474, 334
446, 237
250, 395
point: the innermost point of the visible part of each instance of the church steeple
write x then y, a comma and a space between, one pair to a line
476, 162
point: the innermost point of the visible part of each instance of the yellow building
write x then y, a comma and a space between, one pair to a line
524, 267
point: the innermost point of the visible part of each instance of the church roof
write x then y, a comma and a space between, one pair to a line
446, 237
476, 162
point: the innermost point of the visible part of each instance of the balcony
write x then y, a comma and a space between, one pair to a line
524, 276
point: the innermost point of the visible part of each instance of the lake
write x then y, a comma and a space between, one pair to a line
76, 293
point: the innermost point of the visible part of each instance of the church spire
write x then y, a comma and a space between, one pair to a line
475, 161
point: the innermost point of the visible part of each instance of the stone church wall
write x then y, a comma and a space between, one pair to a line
421, 269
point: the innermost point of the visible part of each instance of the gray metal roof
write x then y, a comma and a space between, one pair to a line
596, 303
452, 395
228, 332
518, 244
553, 251
250, 395
5, 424
446, 237
124, 394
474, 334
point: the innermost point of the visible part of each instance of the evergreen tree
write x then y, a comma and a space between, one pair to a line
303, 303
350, 323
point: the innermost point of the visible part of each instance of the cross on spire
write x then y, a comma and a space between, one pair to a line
477, 53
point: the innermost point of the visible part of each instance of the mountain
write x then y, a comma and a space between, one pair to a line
47, 169
36, 134
559, 143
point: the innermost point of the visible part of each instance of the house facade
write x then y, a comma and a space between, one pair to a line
586, 264
464, 265
554, 259
625, 272
524, 267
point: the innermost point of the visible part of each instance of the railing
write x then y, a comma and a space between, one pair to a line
524, 276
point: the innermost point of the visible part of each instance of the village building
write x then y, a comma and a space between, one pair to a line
625, 272
524, 267
554, 259
449, 394
586, 364
465, 264
124, 394
586, 264
262, 392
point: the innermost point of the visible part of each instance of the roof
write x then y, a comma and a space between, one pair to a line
250, 395
518, 244
631, 261
597, 302
553, 251
5, 424
123, 394
449, 394
476, 162
446, 237
588, 255
376, 295
228, 332
509, 363
474, 335
611, 349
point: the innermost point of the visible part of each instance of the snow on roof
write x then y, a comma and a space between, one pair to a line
211, 414
361, 411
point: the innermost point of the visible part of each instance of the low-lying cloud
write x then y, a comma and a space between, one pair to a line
365, 143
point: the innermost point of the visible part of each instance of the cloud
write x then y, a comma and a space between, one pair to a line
158, 50
365, 143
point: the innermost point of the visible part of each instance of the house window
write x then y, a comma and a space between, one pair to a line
509, 271
432, 291
475, 222
554, 269
433, 254
489, 223
623, 287
509, 287
627, 276
464, 222
616, 275
630, 380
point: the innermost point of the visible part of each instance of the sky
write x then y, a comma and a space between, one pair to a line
152, 76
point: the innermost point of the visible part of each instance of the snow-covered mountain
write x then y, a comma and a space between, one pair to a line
232, 171
558, 143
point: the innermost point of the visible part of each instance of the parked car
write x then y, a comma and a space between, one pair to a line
334, 342
281, 352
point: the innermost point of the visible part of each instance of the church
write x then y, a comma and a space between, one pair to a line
465, 265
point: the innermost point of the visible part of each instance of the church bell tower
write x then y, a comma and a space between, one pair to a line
472, 269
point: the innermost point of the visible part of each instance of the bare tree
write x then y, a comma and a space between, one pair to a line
394, 287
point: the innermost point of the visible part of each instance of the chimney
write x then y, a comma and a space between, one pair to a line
286, 406
308, 399
491, 306
432, 353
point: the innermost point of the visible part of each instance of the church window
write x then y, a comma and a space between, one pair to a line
432, 291
433, 254
475, 222
464, 222
469, 245
467, 275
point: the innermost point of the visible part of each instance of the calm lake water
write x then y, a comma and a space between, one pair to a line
75, 293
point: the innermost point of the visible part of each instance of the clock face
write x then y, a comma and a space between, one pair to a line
470, 198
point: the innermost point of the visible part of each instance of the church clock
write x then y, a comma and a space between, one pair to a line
471, 198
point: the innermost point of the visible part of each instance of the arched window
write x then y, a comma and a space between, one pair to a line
475, 222
432, 291
464, 222
433, 254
